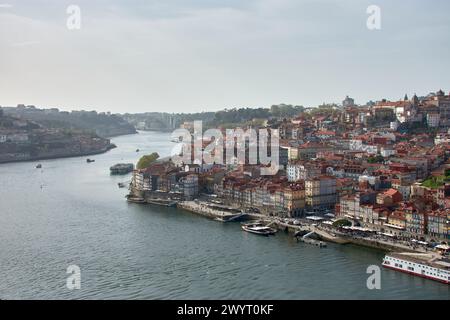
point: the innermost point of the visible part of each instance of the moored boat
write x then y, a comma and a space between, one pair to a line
136, 200
258, 228
420, 264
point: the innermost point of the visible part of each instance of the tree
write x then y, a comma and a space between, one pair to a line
342, 223
147, 160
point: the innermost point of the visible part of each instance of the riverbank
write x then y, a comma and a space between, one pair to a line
81, 217
325, 233
60, 156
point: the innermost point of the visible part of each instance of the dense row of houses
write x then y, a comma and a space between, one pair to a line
360, 162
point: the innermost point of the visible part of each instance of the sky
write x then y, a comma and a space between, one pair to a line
206, 55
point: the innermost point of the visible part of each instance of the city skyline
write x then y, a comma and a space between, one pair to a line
190, 56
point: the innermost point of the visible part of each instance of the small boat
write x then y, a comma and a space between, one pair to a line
38, 166
122, 184
258, 228
136, 200
90, 160
137, 150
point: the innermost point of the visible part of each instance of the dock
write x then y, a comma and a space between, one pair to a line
213, 211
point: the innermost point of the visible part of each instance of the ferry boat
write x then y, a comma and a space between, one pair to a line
258, 228
423, 265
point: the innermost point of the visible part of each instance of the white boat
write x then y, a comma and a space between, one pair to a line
258, 228
419, 264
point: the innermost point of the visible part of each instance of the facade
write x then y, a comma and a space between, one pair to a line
302, 171
190, 186
320, 192
437, 227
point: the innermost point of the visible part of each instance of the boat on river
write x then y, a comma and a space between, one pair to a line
258, 228
422, 265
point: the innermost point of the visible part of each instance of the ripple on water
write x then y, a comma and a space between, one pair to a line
145, 252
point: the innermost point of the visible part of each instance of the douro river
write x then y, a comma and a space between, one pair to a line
73, 213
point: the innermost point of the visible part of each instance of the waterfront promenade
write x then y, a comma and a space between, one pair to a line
325, 232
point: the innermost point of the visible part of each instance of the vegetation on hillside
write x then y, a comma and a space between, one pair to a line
434, 182
147, 160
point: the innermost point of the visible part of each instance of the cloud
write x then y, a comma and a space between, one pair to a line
209, 54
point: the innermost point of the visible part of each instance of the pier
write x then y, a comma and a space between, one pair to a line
213, 211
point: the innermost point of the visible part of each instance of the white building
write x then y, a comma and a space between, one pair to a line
358, 145
386, 152
298, 171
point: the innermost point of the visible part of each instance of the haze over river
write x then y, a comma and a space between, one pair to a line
73, 213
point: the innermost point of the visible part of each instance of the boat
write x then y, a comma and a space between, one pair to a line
136, 200
122, 168
90, 160
162, 202
429, 266
122, 184
137, 150
258, 228
38, 166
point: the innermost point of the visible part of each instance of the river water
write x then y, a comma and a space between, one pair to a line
73, 213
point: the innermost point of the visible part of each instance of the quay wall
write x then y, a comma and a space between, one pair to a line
326, 235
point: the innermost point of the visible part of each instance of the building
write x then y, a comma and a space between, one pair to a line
437, 226
299, 170
348, 102
320, 192
416, 222
190, 186
389, 197
359, 207
404, 187
433, 119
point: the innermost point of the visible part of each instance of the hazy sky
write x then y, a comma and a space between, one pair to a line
202, 55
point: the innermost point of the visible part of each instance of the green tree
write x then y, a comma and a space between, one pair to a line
147, 160
342, 223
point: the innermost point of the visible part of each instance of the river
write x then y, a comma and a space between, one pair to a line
73, 213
